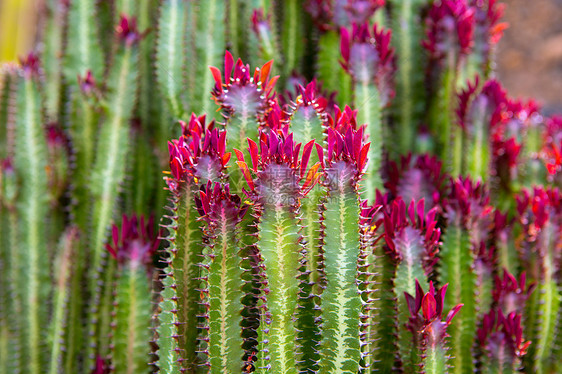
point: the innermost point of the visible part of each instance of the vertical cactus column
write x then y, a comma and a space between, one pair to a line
68, 247
428, 328
244, 99
132, 246
276, 193
341, 302
30, 165
222, 279
407, 35
501, 337
108, 170
196, 157
413, 241
369, 60
449, 34
540, 214
308, 119
469, 220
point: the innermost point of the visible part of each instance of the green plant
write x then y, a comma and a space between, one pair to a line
300, 235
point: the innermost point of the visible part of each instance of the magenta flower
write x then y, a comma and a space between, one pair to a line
127, 30
488, 27
279, 169
412, 225
417, 177
428, 327
450, 25
135, 243
334, 14
501, 337
31, 65
242, 91
511, 294
199, 154
468, 204
215, 202
342, 119
368, 57
345, 158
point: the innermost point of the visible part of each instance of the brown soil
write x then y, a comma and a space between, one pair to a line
529, 56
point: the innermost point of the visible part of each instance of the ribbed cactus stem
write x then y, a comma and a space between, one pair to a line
367, 100
51, 56
330, 72
292, 35
341, 303
549, 303
222, 277
279, 245
170, 54
210, 45
457, 269
108, 169
132, 334
65, 268
407, 41
30, 165
83, 52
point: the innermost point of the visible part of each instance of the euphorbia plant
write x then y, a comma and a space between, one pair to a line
301, 229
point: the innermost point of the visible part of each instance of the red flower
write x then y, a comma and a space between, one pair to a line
511, 294
127, 30
215, 202
428, 328
368, 57
242, 91
199, 154
333, 14
417, 177
135, 243
414, 225
345, 158
31, 65
500, 335
447, 19
279, 169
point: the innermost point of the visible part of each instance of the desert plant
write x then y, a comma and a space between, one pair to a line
317, 220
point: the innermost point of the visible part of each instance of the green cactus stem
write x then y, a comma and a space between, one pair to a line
222, 277
276, 194
210, 42
244, 98
502, 340
170, 55
469, 220
409, 91
368, 58
83, 52
132, 246
428, 329
68, 247
197, 157
307, 121
108, 170
330, 72
412, 238
30, 164
341, 302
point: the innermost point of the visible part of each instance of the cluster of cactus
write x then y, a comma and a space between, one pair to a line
419, 232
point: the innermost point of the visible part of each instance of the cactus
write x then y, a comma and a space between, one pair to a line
304, 231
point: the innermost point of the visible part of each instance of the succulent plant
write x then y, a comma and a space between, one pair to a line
356, 195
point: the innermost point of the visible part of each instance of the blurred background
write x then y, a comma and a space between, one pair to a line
529, 58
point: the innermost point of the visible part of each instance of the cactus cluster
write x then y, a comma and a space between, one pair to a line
346, 189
